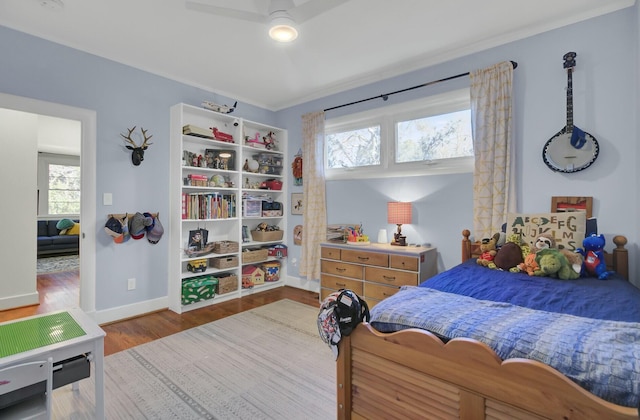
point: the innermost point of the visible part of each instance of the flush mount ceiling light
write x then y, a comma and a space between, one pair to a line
282, 26
51, 4
281, 16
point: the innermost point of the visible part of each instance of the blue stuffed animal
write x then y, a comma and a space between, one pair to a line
593, 253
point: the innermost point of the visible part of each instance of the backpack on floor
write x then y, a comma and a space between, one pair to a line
340, 313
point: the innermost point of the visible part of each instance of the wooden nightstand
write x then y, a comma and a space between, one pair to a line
374, 271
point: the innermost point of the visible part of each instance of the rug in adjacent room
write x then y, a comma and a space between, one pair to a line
266, 363
46, 265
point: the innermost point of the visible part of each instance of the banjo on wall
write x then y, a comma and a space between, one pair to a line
571, 149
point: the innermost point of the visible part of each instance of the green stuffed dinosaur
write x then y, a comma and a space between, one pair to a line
554, 263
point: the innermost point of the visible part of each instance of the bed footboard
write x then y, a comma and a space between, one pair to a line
413, 374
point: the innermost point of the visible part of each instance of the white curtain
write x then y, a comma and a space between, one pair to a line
314, 216
491, 121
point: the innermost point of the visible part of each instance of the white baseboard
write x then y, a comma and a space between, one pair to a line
141, 308
303, 283
130, 311
19, 301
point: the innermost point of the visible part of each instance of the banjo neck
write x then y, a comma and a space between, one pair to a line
569, 100
569, 64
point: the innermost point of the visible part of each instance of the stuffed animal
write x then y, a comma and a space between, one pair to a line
575, 259
593, 253
554, 264
510, 254
529, 264
488, 249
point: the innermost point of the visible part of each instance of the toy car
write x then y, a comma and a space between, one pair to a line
196, 266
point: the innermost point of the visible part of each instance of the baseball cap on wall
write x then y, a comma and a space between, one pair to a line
155, 231
138, 224
113, 227
125, 231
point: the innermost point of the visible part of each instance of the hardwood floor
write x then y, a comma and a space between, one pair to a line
60, 291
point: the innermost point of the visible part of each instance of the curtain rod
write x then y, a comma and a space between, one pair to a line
385, 96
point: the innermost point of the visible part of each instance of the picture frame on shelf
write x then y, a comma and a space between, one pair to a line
569, 204
246, 237
297, 201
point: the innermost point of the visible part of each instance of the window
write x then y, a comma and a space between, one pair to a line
59, 185
427, 136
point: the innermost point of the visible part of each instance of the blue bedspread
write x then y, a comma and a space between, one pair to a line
602, 356
614, 299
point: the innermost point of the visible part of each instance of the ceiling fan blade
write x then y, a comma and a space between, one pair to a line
313, 8
223, 11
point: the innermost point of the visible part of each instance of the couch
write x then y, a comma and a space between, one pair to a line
52, 241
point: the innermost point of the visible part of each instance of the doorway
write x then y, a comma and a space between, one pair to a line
87, 119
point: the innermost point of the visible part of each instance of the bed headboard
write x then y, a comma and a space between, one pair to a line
618, 260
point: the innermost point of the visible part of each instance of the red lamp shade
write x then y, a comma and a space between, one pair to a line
399, 213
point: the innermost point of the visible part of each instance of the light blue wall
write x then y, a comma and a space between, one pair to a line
122, 97
605, 104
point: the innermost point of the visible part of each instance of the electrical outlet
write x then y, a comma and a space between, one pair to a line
131, 284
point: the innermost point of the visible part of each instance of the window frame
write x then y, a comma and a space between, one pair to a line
387, 117
44, 160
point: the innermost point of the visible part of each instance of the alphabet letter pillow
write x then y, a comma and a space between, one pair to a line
568, 228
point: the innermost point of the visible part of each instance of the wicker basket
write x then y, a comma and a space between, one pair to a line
224, 262
260, 236
225, 247
249, 256
227, 284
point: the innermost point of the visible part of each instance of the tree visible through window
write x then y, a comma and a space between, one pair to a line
438, 137
64, 189
354, 148
430, 135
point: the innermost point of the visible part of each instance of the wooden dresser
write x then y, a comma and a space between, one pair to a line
374, 271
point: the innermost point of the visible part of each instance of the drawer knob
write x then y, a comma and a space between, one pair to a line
340, 270
389, 278
363, 258
341, 285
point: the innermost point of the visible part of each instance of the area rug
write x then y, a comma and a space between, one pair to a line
266, 363
59, 264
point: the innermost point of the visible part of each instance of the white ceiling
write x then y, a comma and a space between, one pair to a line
357, 42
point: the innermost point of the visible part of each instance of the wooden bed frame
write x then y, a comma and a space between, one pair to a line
413, 374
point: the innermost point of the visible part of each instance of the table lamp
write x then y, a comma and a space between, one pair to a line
399, 213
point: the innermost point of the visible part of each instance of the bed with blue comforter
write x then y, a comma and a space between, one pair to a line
577, 343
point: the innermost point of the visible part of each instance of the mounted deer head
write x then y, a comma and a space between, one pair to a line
137, 154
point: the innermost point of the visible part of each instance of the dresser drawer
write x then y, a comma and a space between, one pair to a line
403, 263
378, 291
341, 269
330, 253
391, 277
336, 283
363, 257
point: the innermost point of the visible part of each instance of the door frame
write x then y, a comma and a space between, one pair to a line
88, 121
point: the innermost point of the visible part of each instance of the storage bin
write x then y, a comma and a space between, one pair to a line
271, 271
225, 247
198, 288
224, 262
228, 283
260, 236
254, 255
252, 275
